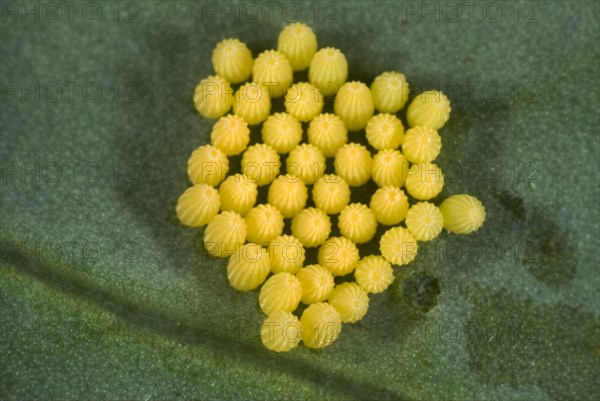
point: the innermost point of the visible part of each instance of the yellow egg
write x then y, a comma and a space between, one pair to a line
299, 44
311, 226
424, 181
213, 97
374, 274
306, 162
430, 108
339, 255
390, 92
286, 254
207, 165
421, 144
354, 105
282, 132
232, 60
260, 163
303, 101
390, 167
331, 193
273, 71
354, 164
248, 267
252, 103
351, 302
317, 283
328, 133
321, 325
328, 70
225, 234
198, 205
288, 194
281, 292
281, 332
398, 246
230, 134
424, 221
238, 194
389, 205
357, 223
463, 214
265, 223
385, 131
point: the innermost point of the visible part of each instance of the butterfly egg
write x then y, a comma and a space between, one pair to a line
248, 267
390, 92
339, 255
328, 133
390, 167
321, 325
424, 221
311, 226
252, 103
232, 60
424, 181
374, 274
398, 246
238, 194
260, 163
281, 292
265, 223
213, 97
463, 214
299, 44
331, 193
230, 134
430, 108
328, 70
351, 302
198, 205
281, 332
282, 132
389, 204
225, 234
273, 71
357, 223
421, 144
354, 164
317, 283
303, 101
354, 105
385, 131
288, 194
207, 165
306, 162
286, 254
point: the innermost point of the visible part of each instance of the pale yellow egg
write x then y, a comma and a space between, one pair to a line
299, 44
198, 205
321, 325
232, 60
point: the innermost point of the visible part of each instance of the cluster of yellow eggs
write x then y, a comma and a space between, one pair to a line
252, 236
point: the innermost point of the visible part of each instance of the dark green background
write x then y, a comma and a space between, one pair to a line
103, 295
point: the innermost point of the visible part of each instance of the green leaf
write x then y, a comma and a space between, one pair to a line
103, 295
